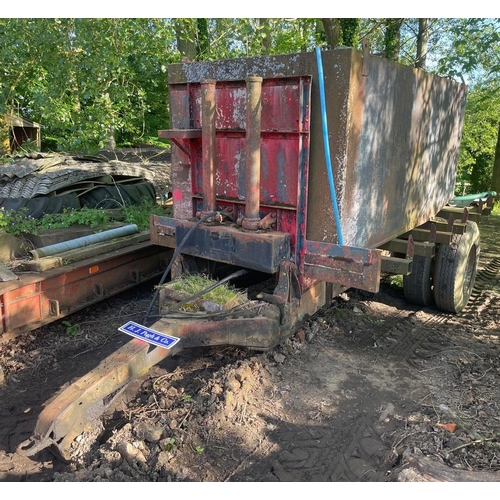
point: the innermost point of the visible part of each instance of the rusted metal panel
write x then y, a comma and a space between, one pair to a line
162, 230
406, 151
394, 138
208, 144
41, 298
253, 140
284, 152
261, 251
345, 266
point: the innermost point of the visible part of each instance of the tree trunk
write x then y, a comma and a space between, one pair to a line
185, 30
424, 469
203, 38
109, 139
495, 179
422, 39
332, 32
4, 136
266, 41
392, 38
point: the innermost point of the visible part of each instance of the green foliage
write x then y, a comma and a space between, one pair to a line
472, 48
71, 329
139, 214
91, 82
200, 450
394, 281
17, 221
84, 79
477, 150
392, 38
170, 444
350, 31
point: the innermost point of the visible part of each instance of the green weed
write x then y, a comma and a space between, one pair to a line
139, 214
395, 281
17, 222
170, 444
71, 329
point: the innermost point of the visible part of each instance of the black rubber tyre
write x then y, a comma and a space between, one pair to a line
107, 197
37, 207
456, 269
417, 286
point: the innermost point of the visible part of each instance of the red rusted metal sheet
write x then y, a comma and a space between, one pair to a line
38, 299
284, 152
347, 266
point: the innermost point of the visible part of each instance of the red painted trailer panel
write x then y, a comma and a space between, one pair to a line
40, 298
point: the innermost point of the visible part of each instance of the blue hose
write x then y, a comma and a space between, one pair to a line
327, 146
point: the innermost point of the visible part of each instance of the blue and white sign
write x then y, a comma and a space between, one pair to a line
148, 335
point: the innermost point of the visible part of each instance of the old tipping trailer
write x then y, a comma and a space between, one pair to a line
298, 177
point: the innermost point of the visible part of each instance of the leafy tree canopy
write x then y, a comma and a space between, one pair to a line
92, 82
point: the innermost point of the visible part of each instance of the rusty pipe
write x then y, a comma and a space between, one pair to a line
208, 143
253, 129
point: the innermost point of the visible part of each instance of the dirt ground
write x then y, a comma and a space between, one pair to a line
368, 390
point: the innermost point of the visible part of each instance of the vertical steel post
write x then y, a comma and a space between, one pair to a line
253, 129
208, 143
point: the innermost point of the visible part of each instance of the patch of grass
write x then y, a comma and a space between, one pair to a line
223, 295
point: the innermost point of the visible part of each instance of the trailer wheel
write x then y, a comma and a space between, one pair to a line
456, 268
417, 286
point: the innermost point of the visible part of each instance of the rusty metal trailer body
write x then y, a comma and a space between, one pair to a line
39, 298
252, 187
394, 135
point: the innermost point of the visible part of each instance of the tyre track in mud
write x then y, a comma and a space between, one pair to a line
408, 331
407, 335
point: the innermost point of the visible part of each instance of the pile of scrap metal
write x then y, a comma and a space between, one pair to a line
49, 183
